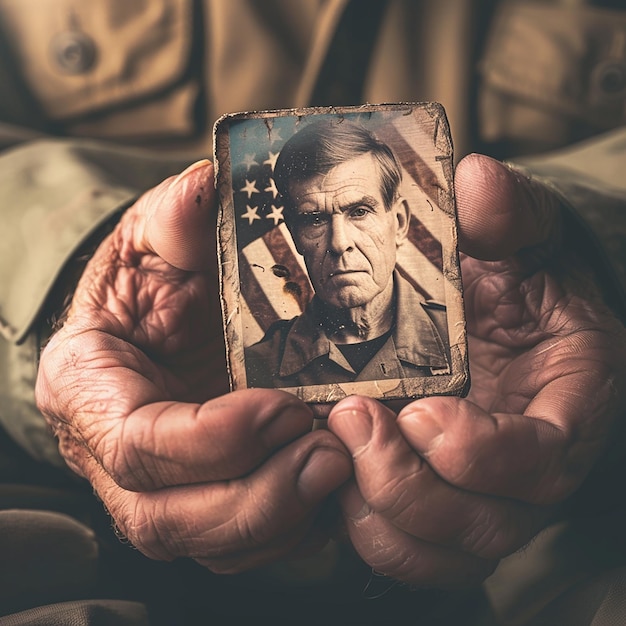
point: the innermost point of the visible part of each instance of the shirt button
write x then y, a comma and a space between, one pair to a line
610, 78
74, 52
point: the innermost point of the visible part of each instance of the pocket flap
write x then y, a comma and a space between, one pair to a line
80, 57
567, 60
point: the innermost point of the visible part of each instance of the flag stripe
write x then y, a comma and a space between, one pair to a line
417, 265
424, 241
417, 168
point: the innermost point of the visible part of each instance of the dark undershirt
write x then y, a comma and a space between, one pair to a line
360, 354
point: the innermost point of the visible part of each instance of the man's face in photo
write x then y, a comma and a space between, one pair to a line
347, 235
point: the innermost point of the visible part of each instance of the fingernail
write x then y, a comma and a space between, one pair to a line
354, 428
324, 471
192, 168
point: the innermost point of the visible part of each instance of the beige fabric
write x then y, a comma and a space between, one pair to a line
424, 53
542, 71
145, 120
139, 47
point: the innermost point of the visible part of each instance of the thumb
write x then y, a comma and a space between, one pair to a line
178, 219
501, 211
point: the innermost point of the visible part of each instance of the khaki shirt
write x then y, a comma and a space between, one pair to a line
159, 73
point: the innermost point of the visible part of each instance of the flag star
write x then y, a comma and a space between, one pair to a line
276, 214
250, 214
272, 188
272, 160
250, 188
249, 161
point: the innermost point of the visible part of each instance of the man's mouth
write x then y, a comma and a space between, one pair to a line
341, 272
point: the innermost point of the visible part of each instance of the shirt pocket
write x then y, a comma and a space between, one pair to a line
84, 62
551, 75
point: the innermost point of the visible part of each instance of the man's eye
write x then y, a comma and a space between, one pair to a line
359, 211
312, 220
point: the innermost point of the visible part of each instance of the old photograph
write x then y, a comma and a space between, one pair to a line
339, 266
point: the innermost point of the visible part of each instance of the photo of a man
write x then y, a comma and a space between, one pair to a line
340, 188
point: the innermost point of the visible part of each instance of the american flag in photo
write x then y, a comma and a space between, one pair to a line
273, 278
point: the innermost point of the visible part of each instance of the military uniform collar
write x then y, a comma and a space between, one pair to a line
415, 337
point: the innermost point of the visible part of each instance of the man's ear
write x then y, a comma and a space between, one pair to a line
403, 217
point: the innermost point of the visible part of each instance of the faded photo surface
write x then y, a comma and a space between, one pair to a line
343, 228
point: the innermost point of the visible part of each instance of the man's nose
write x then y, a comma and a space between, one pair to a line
339, 240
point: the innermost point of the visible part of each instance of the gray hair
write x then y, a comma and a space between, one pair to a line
324, 144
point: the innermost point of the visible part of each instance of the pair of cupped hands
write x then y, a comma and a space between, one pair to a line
135, 386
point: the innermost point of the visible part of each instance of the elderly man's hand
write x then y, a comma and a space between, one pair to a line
449, 486
133, 386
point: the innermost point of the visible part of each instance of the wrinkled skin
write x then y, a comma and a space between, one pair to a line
134, 385
449, 486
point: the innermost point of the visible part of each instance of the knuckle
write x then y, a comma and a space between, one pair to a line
498, 532
133, 523
255, 524
484, 537
456, 462
128, 454
140, 520
121, 461
487, 537
395, 495
105, 441
56, 389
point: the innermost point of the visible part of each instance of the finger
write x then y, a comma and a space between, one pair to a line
169, 443
301, 542
496, 454
402, 488
177, 219
395, 553
142, 438
500, 211
234, 518
540, 455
